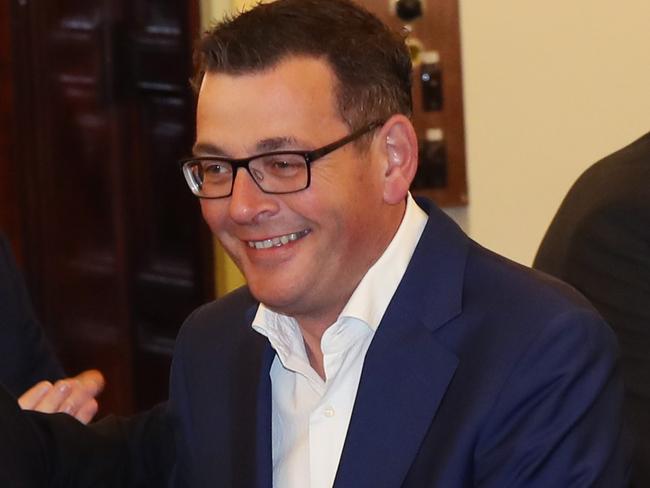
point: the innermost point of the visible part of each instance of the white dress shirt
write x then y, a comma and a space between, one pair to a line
310, 417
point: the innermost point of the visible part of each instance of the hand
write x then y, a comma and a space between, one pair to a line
74, 396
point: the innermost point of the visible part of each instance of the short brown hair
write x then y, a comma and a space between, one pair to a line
371, 63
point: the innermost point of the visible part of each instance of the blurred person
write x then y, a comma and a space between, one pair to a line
28, 366
599, 242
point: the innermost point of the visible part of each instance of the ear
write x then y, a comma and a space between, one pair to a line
399, 147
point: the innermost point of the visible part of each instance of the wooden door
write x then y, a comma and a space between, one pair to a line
9, 194
116, 252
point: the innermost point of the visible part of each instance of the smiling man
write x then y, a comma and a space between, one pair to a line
375, 345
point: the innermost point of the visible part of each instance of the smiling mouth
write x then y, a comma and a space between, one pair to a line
278, 241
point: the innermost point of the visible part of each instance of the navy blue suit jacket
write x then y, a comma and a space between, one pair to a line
481, 373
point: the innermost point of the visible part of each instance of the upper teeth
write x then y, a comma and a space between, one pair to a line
278, 241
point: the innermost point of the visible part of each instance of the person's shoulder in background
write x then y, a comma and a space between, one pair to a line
26, 356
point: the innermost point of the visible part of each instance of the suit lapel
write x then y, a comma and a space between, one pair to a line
264, 478
401, 387
406, 371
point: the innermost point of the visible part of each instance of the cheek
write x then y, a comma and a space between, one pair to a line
213, 214
341, 209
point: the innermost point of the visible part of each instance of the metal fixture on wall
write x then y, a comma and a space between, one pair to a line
432, 34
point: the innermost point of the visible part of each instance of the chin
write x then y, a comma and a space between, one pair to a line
272, 297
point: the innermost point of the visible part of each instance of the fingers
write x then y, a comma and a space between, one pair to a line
52, 401
87, 411
80, 402
92, 381
74, 396
31, 397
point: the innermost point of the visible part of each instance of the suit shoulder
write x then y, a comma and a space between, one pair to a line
620, 176
220, 318
510, 310
521, 291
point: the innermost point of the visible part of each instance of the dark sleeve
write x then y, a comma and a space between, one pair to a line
25, 355
608, 260
57, 451
148, 441
558, 421
22, 459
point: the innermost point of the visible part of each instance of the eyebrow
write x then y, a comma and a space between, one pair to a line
207, 149
276, 143
265, 145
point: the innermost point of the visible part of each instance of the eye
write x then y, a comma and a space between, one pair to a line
215, 173
281, 165
215, 168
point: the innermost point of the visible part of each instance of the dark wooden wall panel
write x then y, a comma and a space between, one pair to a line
9, 181
167, 269
80, 189
117, 254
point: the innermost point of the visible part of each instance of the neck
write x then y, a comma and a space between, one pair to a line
312, 334
315, 354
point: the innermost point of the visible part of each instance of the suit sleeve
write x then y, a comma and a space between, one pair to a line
22, 460
558, 420
25, 354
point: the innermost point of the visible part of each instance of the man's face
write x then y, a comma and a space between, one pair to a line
339, 219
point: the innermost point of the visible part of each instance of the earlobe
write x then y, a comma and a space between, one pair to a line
401, 152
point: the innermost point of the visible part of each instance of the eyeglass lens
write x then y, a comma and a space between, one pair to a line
276, 173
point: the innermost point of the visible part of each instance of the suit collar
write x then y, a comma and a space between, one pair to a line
436, 271
264, 478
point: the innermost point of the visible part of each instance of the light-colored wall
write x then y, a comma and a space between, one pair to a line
215, 9
212, 10
550, 87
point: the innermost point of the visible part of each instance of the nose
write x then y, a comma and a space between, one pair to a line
248, 203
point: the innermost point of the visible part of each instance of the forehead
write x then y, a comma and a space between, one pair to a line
298, 92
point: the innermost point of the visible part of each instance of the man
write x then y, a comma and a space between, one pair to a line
375, 345
599, 242
27, 364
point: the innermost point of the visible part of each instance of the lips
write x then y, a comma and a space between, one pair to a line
278, 241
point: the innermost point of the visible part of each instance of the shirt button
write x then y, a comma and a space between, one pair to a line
329, 412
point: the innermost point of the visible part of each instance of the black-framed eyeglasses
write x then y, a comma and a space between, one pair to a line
274, 172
